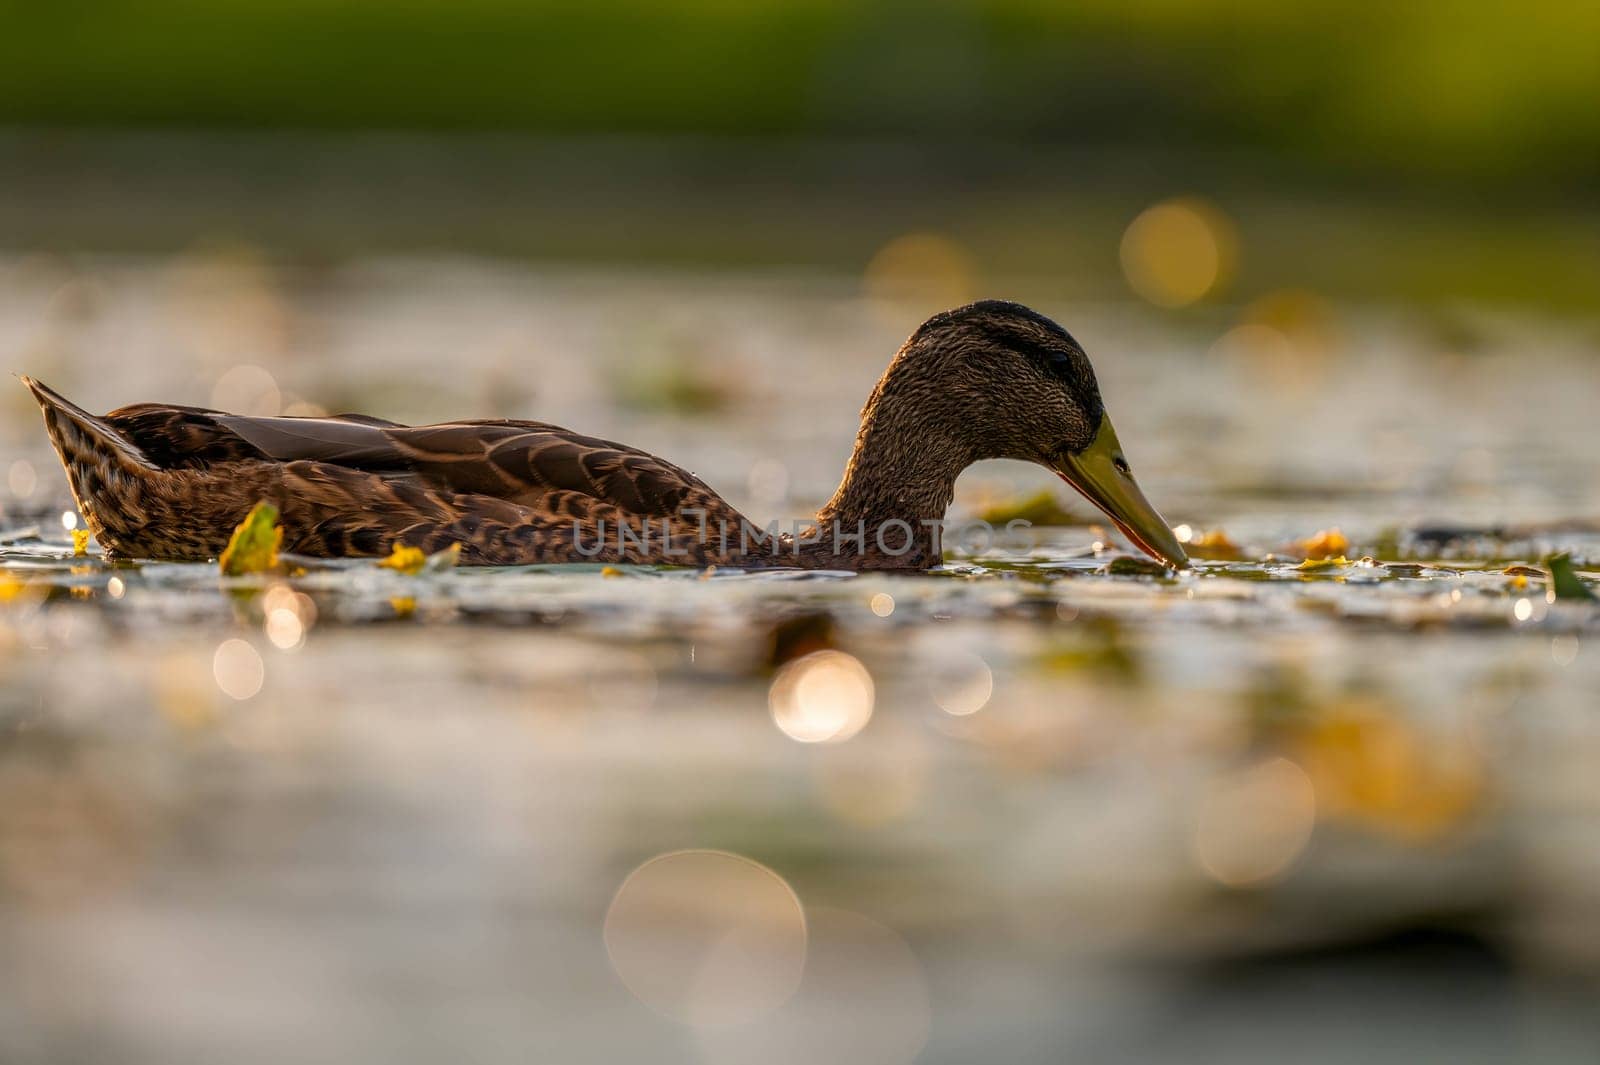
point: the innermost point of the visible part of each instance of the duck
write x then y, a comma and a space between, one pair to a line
989, 380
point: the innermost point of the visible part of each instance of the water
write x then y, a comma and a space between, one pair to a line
1243, 813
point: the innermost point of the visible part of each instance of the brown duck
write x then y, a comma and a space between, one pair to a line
988, 380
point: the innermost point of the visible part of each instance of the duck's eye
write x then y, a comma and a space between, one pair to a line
1121, 465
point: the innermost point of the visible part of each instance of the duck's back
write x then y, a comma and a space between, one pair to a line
166, 481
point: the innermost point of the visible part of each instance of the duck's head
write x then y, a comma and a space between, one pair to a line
1013, 384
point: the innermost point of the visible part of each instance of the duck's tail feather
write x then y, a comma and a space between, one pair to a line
83, 440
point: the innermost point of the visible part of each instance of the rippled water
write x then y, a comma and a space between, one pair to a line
1025, 808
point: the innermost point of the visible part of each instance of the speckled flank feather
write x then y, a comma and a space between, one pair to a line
164, 481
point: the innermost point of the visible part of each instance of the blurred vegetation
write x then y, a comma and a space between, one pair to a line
1473, 90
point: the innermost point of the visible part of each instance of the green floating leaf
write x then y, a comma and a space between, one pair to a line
1564, 580
255, 543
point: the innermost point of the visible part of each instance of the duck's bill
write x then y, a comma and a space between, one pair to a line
1095, 472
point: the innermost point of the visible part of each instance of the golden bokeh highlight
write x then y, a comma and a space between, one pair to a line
1179, 251
1288, 337
287, 615
882, 604
919, 274
823, 697
707, 938
1254, 822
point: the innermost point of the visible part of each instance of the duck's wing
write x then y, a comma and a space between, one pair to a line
177, 437
517, 461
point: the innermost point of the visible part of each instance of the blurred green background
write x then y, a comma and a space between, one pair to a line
1473, 88
1420, 152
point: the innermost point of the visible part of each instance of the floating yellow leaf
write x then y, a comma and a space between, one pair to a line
80, 542
404, 606
412, 561
1314, 564
1326, 544
610, 571
255, 543
407, 560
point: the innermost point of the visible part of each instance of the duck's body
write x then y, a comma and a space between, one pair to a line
172, 482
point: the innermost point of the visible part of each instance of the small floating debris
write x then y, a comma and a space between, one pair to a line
80, 542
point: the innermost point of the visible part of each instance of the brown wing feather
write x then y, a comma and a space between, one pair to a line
520, 462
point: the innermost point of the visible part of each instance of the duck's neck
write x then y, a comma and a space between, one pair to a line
901, 476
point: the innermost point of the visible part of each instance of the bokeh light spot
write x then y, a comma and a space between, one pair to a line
22, 479
238, 669
1254, 822
917, 274
823, 697
1564, 650
707, 938
961, 684
1179, 251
